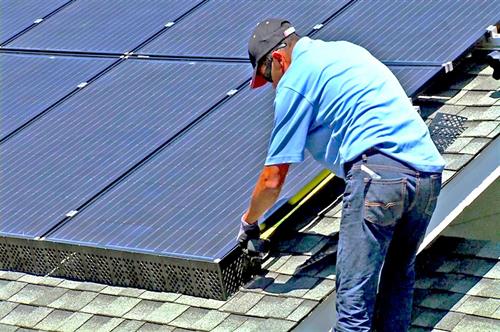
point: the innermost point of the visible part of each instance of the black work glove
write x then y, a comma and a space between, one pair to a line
248, 232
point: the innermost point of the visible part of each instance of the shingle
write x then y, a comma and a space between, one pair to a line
494, 133
454, 96
128, 326
300, 243
325, 226
80, 285
463, 82
304, 309
321, 290
490, 250
455, 283
25, 315
166, 313
487, 287
11, 275
47, 281
110, 305
449, 320
160, 296
475, 267
494, 272
479, 306
9, 288
292, 264
441, 300
122, 291
480, 129
242, 302
73, 300
6, 307
428, 318
483, 83
268, 325
477, 324
55, 319
200, 302
286, 285
455, 162
199, 319
481, 113
327, 271
38, 294
479, 69
73, 322
476, 145
335, 212
231, 323
273, 264
8, 328
150, 327
459, 144
100, 324
476, 98
274, 306
260, 282
142, 309
447, 175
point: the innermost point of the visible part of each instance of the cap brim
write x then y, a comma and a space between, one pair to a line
257, 80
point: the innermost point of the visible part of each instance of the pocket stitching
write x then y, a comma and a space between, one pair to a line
388, 205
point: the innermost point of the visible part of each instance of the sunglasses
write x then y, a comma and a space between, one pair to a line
268, 63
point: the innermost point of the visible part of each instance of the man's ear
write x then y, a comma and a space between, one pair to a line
277, 56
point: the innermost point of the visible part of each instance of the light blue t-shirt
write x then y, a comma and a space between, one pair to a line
336, 100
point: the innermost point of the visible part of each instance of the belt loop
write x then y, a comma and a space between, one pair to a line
364, 157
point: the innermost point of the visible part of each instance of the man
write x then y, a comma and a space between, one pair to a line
350, 112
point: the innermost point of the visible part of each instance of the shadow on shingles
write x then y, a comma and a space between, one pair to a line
495, 94
443, 280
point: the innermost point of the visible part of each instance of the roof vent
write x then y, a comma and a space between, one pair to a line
445, 128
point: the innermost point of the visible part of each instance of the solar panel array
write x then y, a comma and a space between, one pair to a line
130, 125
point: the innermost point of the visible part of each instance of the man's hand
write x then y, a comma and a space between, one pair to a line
248, 232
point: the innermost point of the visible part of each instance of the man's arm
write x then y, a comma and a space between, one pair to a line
266, 191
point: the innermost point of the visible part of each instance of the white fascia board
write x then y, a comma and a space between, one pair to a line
321, 319
463, 189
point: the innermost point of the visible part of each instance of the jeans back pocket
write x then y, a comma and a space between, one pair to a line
384, 200
435, 189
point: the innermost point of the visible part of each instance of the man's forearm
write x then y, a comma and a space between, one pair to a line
261, 201
266, 191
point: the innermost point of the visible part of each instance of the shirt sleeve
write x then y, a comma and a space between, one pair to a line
293, 116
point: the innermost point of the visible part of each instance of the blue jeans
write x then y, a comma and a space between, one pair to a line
385, 216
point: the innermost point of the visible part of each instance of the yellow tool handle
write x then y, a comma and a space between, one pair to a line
319, 182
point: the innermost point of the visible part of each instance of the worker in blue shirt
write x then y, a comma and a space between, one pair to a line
349, 111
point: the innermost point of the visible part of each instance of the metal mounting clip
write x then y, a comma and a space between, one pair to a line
232, 92
448, 66
318, 26
38, 21
169, 24
71, 213
82, 85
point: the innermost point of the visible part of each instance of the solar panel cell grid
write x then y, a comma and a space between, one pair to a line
15, 16
204, 33
415, 30
30, 84
74, 151
187, 200
103, 26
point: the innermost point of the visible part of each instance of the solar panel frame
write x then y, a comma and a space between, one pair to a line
418, 31
205, 34
94, 26
91, 139
17, 16
31, 84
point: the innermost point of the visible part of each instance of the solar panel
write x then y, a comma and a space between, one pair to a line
413, 78
71, 153
30, 84
416, 30
204, 33
18, 15
188, 199
103, 26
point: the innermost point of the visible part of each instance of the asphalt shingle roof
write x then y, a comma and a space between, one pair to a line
458, 288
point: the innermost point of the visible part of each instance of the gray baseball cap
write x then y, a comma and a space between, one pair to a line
266, 36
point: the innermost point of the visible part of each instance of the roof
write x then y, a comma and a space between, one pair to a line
458, 288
